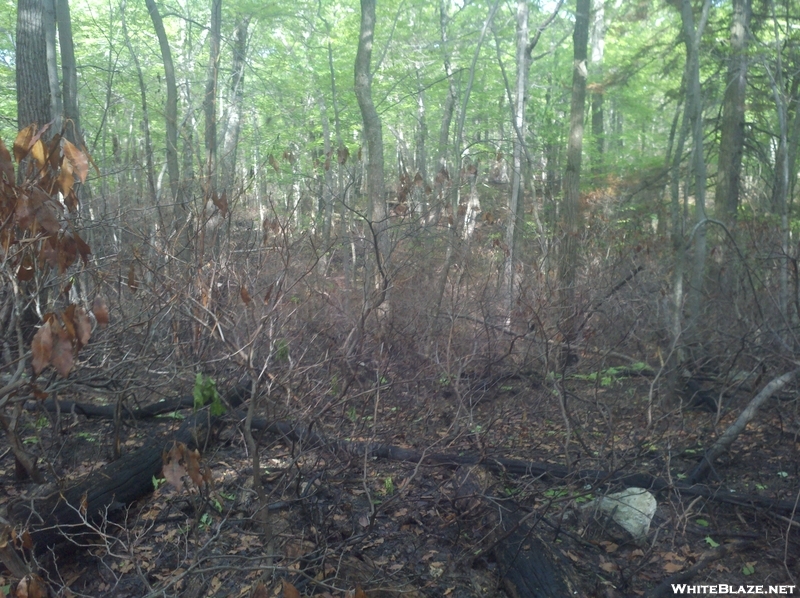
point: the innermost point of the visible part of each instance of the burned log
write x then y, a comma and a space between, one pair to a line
57, 513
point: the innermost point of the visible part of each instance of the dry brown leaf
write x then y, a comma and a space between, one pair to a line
62, 357
245, 295
173, 469
672, 567
32, 586
260, 591
83, 248
289, 591
193, 467
77, 159
42, 348
83, 327
6, 165
609, 567
23, 142
221, 203
65, 178
359, 593
39, 153
100, 311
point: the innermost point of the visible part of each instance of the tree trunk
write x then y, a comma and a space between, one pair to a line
456, 185
598, 130
515, 204
148, 144
56, 104
694, 109
233, 121
33, 87
731, 140
374, 137
780, 188
571, 214
170, 113
69, 74
210, 130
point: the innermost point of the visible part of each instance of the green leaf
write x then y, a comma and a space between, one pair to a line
748, 569
710, 541
701, 522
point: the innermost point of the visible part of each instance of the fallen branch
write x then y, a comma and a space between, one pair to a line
724, 442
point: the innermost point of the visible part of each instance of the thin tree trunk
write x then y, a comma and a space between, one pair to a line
233, 120
374, 137
598, 130
148, 145
56, 104
456, 185
515, 204
170, 113
69, 74
210, 130
571, 213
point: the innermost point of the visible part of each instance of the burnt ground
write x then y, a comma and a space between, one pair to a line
337, 521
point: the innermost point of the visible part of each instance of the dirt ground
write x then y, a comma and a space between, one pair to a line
341, 525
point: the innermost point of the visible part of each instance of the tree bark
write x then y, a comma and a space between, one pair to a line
170, 112
148, 144
456, 185
571, 212
694, 110
56, 103
731, 140
373, 134
69, 75
233, 121
33, 87
515, 203
598, 129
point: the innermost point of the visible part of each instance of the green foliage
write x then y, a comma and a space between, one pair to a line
711, 542
282, 350
205, 393
158, 482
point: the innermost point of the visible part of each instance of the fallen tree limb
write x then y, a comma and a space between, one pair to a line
108, 411
724, 442
310, 439
56, 512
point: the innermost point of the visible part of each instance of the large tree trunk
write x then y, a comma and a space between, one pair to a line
571, 214
731, 140
33, 87
374, 137
694, 110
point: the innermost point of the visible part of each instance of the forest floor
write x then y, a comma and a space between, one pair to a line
338, 522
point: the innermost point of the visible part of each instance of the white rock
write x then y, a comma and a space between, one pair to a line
632, 509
